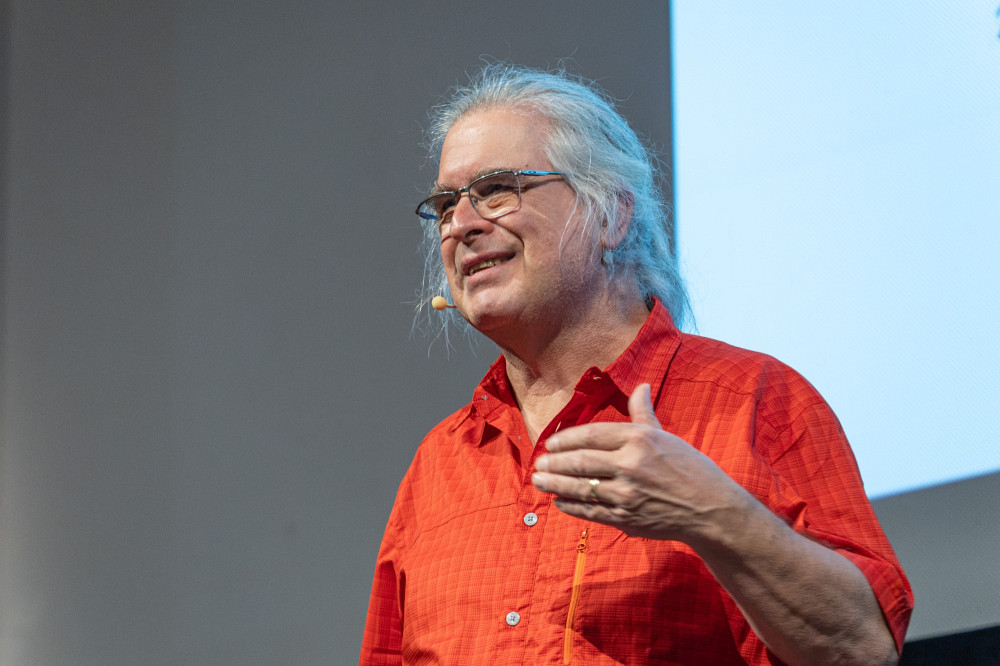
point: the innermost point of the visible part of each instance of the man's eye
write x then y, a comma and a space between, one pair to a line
500, 186
445, 206
494, 186
444, 220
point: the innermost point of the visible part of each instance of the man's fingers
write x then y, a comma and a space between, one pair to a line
608, 436
584, 462
579, 489
640, 407
598, 436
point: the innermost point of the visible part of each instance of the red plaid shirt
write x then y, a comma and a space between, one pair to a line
476, 566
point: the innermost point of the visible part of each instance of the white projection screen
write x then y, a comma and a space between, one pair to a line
837, 188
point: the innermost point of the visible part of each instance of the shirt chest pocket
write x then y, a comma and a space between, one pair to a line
658, 593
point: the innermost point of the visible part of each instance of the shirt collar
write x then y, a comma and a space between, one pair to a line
645, 360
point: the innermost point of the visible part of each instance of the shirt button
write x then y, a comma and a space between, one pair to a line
513, 618
530, 519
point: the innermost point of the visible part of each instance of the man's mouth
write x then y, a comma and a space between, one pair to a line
482, 265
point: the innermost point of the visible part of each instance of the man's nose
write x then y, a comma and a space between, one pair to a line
466, 220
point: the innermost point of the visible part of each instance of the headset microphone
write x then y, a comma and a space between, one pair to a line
439, 303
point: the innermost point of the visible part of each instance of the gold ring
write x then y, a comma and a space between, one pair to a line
593, 489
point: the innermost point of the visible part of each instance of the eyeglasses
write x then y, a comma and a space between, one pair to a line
492, 195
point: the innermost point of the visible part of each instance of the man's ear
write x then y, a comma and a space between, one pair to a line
613, 231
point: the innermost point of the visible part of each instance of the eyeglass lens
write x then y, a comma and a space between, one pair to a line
492, 196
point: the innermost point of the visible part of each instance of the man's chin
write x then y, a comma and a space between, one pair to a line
488, 316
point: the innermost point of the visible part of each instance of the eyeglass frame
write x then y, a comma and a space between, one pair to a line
517, 173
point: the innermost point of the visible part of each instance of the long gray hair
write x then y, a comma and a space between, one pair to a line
606, 164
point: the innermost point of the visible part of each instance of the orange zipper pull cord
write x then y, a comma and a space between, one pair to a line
581, 556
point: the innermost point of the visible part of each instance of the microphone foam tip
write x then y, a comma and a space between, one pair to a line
439, 303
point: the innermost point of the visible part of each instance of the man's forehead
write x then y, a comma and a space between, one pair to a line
491, 139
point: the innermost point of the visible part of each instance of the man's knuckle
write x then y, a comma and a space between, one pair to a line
577, 462
631, 498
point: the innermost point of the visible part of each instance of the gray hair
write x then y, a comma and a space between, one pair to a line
606, 164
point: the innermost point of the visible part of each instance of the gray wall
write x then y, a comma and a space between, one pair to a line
210, 391
947, 538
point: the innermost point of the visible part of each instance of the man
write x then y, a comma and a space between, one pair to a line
617, 492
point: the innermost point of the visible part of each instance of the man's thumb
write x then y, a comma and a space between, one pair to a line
640, 407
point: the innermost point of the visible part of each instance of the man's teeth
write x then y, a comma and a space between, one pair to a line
489, 263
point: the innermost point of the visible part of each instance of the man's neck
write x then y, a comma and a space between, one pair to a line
543, 367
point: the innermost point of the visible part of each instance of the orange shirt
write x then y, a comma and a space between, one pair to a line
478, 567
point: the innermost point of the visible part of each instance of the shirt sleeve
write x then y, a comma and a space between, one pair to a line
382, 642
819, 491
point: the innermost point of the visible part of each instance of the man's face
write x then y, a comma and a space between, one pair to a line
529, 267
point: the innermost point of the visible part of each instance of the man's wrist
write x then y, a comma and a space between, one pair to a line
730, 526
